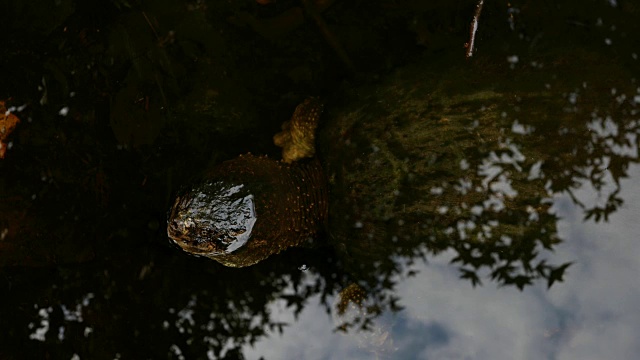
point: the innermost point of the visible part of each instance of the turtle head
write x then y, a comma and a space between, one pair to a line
212, 218
218, 217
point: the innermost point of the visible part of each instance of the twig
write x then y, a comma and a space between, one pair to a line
474, 29
150, 25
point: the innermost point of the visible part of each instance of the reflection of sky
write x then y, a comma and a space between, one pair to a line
591, 315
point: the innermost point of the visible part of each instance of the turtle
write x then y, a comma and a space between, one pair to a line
251, 207
432, 158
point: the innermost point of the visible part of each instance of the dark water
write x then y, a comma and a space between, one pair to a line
122, 102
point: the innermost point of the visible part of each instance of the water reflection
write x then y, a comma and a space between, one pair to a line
87, 270
439, 159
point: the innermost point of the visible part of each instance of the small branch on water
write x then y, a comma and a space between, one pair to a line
474, 28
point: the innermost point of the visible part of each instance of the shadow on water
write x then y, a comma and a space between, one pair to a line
427, 153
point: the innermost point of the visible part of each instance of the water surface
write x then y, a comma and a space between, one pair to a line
120, 103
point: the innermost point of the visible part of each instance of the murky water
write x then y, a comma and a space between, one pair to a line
483, 208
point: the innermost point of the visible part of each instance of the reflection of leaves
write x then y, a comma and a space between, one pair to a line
470, 275
557, 273
602, 213
520, 281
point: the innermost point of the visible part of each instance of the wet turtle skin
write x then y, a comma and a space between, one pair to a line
248, 208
